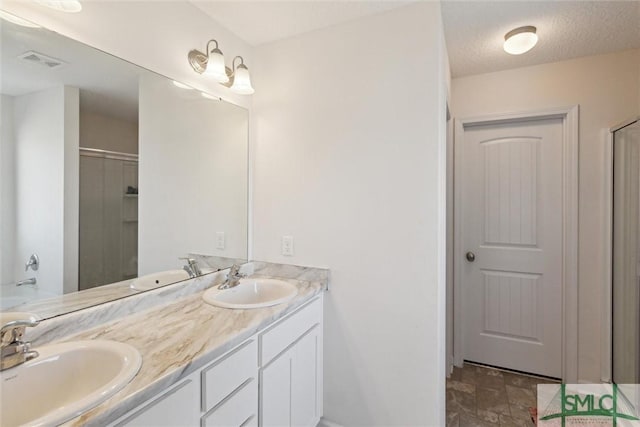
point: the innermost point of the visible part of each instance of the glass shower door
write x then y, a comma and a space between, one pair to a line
626, 255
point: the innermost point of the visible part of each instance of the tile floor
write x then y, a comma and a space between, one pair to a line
479, 396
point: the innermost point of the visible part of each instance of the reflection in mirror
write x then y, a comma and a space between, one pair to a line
109, 172
626, 255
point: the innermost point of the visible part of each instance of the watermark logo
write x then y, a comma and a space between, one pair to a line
564, 405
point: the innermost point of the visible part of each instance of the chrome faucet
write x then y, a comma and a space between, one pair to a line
192, 267
233, 278
13, 350
30, 281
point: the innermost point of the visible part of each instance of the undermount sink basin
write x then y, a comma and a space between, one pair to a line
64, 381
155, 280
252, 293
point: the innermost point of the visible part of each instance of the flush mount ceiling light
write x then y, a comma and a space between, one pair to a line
212, 64
520, 40
69, 6
16, 20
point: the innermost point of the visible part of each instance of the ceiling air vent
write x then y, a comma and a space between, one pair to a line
39, 58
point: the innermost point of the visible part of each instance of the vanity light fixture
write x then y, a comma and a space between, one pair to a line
241, 78
69, 6
520, 40
212, 64
17, 20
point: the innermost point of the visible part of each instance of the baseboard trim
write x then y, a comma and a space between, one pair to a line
327, 423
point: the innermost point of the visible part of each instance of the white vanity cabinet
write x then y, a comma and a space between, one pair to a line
272, 379
291, 373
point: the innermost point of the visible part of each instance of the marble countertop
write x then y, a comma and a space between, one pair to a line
180, 337
58, 305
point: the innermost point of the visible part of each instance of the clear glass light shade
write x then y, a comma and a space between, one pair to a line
519, 42
242, 81
216, 67
70, 6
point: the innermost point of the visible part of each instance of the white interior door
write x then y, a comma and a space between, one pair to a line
511, 210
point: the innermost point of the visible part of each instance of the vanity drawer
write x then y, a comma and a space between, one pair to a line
285, 333
229, 373
238, 410
161, 411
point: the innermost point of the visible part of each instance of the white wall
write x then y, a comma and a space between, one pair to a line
7, 192
349, 132
108, 133
193, 176
606, 87
46, 186
153, 34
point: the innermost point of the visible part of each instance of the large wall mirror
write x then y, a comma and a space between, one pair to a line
108, 172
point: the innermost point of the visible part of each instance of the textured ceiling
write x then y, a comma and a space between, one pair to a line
475, 30
259, 22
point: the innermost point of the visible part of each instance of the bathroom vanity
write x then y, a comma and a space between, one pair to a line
203, 365
272, 379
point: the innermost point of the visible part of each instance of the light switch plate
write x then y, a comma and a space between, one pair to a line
287, 245
220, 240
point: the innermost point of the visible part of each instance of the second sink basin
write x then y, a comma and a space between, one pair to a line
252, 293
64, 381
155, 280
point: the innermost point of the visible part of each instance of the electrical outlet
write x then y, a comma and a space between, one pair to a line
220, 240
287, 245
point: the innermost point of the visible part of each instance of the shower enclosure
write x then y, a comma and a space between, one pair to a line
108, 217
626, 254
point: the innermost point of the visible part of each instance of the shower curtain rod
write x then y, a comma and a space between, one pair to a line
116, 155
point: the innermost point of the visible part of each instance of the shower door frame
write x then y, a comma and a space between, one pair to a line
606, 357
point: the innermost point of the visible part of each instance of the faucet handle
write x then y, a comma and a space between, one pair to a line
33, 263
14, 325
234, 270
18, 319
192, 267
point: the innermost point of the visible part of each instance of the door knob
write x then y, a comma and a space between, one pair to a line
471, 256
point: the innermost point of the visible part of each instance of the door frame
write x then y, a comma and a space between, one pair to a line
569, 116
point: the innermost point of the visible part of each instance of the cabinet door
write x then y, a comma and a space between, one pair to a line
180, 406
276, 392
304, 380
